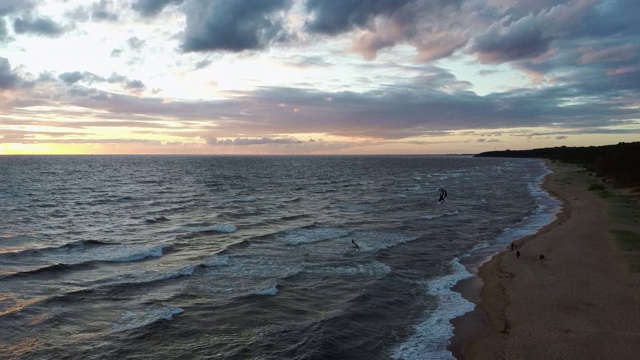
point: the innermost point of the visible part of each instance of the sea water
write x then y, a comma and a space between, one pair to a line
230, 257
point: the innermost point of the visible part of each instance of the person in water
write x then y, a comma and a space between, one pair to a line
355, 245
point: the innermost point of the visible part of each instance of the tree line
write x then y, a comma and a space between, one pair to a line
619, 162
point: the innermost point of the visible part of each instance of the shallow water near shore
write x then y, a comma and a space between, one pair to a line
246, 257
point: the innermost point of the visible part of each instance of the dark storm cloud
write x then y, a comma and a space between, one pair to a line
232, 25
38, 26
334, 17
8, 79
152, 7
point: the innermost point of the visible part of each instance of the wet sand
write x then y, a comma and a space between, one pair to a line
581, 302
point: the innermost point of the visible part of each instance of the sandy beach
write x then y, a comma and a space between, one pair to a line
581, 302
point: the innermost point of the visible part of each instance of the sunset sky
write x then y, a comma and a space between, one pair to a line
316, 76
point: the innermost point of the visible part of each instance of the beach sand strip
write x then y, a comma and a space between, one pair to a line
581, 302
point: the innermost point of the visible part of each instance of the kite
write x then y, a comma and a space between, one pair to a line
443, 195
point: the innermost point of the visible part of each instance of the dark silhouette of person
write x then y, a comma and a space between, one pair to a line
518, 254
541, 258
512, 246
355, 245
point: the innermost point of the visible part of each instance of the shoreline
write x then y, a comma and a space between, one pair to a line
475, 325
523, 306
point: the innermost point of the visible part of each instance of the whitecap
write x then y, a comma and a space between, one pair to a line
432, 334
271, 290
133, 319
155, 251
433, 216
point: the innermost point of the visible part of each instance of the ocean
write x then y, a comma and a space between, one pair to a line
249, 257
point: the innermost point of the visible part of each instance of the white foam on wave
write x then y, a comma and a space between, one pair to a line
271, 290
432, 334
125, 253
545, 212
432, 216
311, 235
133, 319
372, 241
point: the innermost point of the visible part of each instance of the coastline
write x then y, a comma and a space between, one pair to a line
578, 303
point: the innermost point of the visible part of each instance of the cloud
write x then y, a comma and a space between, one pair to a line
433, 27
231, 25
583, 54
13, 6
615, 53
103, 11
202, 64
507, 41
253, 141
394, 113
149, 8
3, 29
135, 85
71, 78
135, 43
8, 79
38, 26
334, 17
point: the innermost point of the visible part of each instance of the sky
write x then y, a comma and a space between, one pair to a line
316, 76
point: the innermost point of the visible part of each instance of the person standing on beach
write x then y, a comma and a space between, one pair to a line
518, 254
541, 258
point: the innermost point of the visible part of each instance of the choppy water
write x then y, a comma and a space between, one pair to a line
148, 257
